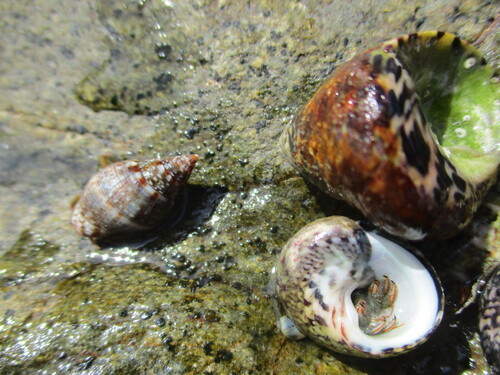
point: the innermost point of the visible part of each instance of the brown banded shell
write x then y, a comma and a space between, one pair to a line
407, 132
131, 196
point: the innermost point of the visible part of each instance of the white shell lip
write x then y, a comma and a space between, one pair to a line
418, 306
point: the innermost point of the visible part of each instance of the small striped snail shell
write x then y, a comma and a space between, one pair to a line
354, 292
407, 132
131, 196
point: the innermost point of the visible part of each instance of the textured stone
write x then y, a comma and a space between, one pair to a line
219, 78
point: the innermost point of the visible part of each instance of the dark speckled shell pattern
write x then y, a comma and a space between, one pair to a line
131, 196
344, 245
363, 137
322, 265
489, 318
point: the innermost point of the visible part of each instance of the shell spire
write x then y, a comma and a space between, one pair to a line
168, 175
131, 196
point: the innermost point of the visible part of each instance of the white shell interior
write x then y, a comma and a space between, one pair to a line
417, 305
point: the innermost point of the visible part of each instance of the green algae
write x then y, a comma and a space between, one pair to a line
132, 329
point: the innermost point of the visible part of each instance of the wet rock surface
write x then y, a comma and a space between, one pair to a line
142, 79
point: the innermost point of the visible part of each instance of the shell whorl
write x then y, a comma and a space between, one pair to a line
365, 137
131, 196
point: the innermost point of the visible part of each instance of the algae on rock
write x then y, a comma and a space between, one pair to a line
141, 79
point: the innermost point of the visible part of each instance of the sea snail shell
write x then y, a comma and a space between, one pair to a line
130, 196
407, 132
354, 292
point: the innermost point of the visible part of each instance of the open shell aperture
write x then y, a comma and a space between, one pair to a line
407, 132
354, 292
131, 196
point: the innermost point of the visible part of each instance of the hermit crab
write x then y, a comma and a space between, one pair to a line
353, 291
131, 196
407, 132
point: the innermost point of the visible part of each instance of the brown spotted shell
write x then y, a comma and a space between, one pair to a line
366, 135
131, 196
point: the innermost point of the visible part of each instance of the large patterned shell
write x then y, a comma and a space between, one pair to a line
131, 196
323, 266
407, 132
